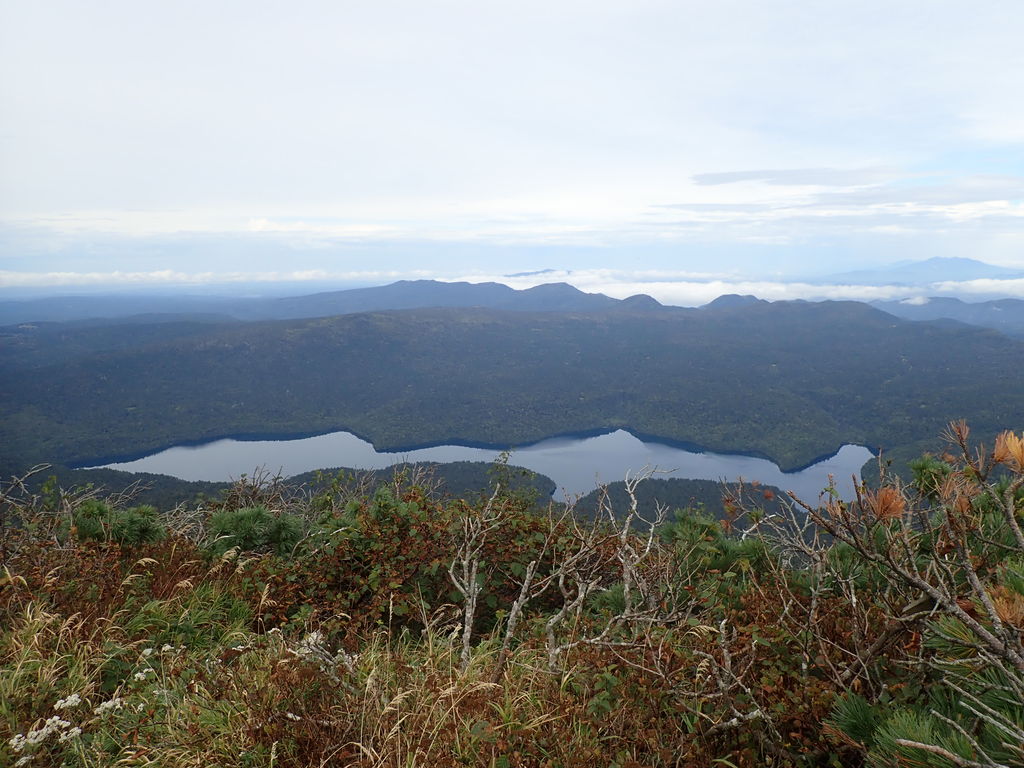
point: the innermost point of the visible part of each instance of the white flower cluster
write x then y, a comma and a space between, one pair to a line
70, 702
311, 646
140, 676
145, 653
109, 706
55, 726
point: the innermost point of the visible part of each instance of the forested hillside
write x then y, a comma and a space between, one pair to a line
790, 381
1005, 315
443, 480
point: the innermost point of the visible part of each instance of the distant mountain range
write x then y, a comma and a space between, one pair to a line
1005, 315
185, 315
926, 272
420, 294
423, 294
404, 294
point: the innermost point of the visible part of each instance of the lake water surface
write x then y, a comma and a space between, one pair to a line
576, 464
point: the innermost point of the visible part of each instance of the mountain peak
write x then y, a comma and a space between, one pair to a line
641, 301
733, 300
931, 270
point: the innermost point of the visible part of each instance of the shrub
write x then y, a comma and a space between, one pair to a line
254, 529
94, 520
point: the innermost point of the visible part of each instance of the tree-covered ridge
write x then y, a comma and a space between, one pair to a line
395, 629
711, 498
1005, 315
454, 478
791, 381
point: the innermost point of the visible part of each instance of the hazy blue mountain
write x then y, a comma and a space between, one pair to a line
74, 308
534, 273
405, 294
1006, 315
733, 300
937, 269
421, 294
641, 302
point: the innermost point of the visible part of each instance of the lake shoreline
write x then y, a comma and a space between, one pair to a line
576, 462
252, 437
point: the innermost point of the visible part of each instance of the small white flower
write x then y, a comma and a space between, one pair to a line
71, 701
147, 653
23, 761
109, 706
139, 676
17, 743
70, 734
167, 648
292, 716
316, 637
51, 726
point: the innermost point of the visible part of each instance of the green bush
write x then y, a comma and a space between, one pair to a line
254, 529
94, 520
699, 540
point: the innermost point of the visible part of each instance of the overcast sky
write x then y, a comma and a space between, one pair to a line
753, 140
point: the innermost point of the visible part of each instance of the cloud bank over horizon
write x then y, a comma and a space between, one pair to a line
445, 137
672, 288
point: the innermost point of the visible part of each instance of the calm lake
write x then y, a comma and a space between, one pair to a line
577, 465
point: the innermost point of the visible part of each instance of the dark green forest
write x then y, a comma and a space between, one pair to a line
788, 381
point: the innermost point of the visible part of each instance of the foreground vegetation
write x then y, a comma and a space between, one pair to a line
277, 627
451, 478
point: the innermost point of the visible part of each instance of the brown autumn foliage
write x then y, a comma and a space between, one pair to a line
821, 637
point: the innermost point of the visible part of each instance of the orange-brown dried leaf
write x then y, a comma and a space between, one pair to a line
1009, 606
1009, 450
887, 504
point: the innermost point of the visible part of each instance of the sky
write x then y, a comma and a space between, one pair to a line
757, 145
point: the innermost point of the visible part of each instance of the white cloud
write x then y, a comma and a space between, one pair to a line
983, 286
685, 290
680, 288
539, 123
803, 177
794, 215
